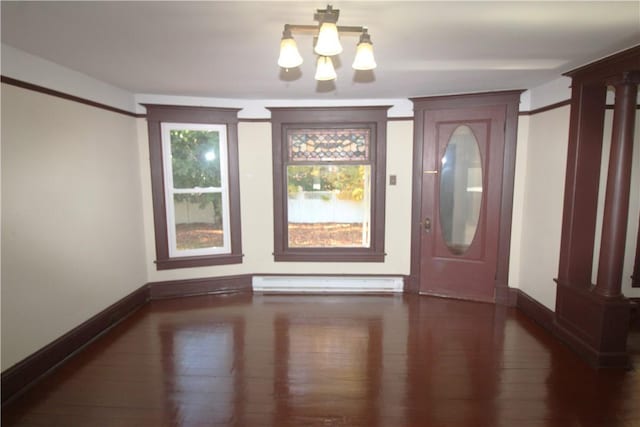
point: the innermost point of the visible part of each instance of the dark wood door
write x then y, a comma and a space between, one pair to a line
463, 151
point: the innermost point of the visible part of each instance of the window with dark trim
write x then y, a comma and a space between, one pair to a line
329, 168
195, 185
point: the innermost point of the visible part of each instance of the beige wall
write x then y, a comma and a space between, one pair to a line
72, 241
256, 192
537, 222
518, 201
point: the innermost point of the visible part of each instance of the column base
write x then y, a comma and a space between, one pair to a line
594, 326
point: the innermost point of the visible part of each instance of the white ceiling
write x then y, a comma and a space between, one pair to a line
229, 49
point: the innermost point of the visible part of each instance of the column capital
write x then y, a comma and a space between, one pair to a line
624, 79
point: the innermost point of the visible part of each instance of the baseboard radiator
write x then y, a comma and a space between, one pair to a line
327, 284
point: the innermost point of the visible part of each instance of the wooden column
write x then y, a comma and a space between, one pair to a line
581, 186
635, 277
594, 320
616, 207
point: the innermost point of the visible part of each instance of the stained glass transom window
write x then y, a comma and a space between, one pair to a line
328, 144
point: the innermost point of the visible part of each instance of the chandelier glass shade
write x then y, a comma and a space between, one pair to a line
289, 55
328, 44
364, 59
324, 69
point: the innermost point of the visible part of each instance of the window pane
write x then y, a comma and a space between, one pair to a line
328, 205
328, 144
198, 221
195, 158
460, 190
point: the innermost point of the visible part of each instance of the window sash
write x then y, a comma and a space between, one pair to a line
367, 160
170, 191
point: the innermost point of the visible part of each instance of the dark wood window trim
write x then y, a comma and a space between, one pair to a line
156, 114
375, 118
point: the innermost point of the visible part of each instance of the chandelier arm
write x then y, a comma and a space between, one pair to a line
302, 28
314, 28
350, 29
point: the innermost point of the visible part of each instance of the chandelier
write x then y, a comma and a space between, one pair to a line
327, 44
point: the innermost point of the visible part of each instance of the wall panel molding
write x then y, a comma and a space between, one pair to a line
47, 91
545, 108
68, 97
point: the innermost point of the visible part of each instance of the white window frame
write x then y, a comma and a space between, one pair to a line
170, 191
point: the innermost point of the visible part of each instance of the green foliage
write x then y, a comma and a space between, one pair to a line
347, 180
195, 161
195, 158
292, 190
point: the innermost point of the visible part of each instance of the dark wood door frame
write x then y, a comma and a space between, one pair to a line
635, 277
509, 99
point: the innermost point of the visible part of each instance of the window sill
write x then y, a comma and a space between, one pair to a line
333, 256
198, 261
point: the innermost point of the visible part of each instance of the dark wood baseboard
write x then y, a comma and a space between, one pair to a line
506, 296
594, 357
406, 281
204, 286
412, 284
595, 327
611, 354
536, 311
20, 376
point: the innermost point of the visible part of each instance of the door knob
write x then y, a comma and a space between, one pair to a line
427, 224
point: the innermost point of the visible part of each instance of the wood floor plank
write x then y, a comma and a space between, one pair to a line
329, 361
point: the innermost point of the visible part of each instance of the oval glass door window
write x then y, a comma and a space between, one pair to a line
460, 190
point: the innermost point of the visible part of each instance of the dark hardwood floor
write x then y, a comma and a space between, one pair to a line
383, 361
